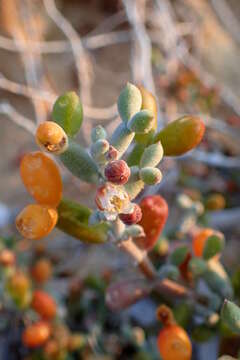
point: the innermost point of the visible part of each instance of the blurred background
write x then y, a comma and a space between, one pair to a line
186, 52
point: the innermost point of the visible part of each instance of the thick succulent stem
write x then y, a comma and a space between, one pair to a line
165, 287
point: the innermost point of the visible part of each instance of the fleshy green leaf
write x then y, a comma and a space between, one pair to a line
135, 155
230, 314
134, 188
169, 271
129, 102
73, 220
98, 133
152, 155
68, 113
148, 103
141, 122
197, 266
214, 245
221, 285
79, 162
121, 138
178, 256
150, 175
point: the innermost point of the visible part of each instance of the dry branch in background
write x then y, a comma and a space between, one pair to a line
165, 32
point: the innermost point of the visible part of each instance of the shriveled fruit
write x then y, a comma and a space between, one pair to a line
199, 240
41, 271
181, 135
154, 216
36, 221
44, 304
174, 344
42, 178
51, 137
36, 334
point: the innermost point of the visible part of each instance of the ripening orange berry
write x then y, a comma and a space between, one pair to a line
36, 334
44, 304
42, 178
174, 344
51, 137
41, 271
7, 258
199, 240
36, 221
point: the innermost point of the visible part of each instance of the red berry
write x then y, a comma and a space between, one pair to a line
117, 172
44, 304
133, 217
36, 334
154, 216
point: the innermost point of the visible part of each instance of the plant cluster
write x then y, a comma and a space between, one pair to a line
120, 166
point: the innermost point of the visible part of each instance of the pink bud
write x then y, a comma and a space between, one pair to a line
117, 172
112, 153
133, 217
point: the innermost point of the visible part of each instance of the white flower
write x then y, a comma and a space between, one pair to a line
113, 200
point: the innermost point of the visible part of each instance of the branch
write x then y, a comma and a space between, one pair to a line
20, 120
92, 112
80, 57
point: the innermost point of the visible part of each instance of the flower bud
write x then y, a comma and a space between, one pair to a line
51, 138
133, 217
112, 153
150, 175
141, 122
98, 133
129, 102
117, 172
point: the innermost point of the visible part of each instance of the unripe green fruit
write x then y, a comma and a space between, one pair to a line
181, 135
68, 113
129, 102
150, 175
141, 122
78, 161
152, 155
